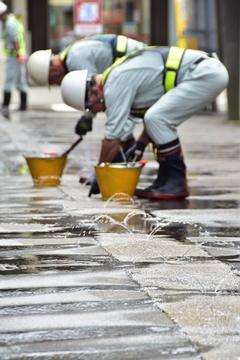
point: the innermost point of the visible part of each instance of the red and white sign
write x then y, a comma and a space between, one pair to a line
88, 17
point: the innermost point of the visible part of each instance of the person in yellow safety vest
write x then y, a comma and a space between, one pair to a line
95, 53
167, 85
15, 67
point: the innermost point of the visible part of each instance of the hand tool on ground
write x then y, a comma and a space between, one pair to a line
68, 151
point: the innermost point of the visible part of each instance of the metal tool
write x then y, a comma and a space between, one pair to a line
73, 146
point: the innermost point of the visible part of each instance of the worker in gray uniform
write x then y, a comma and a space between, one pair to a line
95, 53
167, 85
16, 56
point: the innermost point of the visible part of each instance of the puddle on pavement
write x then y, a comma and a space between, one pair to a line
142, 222
81, 333
194, 204
103, 342
68, 307
79, 256
208, 192
179, 230
32, 264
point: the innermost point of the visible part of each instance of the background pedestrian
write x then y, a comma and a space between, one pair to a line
16, 56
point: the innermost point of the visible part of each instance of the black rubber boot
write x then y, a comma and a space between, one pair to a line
6, 99
23, 99
5, 105
162, 172
171, 182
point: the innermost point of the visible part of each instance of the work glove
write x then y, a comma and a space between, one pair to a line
94, 189
135, 152
22, 58
84, 125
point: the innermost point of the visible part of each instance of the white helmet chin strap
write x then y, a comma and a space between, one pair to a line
89, 113
90, 89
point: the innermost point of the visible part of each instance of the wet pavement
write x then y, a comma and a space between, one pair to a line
83, 278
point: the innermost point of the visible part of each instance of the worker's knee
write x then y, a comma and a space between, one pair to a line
153, 117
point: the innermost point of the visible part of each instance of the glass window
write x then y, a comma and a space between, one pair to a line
127, 17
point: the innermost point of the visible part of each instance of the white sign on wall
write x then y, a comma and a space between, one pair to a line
88, 17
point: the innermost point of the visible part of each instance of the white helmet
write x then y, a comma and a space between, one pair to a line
3, 7
38, 66
73, 89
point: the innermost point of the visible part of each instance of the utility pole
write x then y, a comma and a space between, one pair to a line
229, 37
159, 22
38, 24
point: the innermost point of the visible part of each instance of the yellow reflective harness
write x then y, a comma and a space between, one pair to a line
21, 39
172, 60
119, 61
121, 46
118, 44
172, 65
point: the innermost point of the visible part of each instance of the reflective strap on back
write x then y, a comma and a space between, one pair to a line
119, 62
64, 53
172, 58
118, 44
121, 46
172, 66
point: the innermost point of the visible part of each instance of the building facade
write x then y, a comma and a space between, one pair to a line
56, 23
74, 19
210, 25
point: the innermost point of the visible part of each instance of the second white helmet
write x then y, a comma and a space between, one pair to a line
3, 7
38, 66
73, 89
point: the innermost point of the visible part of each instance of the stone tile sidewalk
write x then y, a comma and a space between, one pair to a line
84, 278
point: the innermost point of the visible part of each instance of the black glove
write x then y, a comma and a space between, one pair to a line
94, 189
135, 152
84, 125
128, 143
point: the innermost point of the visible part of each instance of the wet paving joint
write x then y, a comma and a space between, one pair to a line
123, 279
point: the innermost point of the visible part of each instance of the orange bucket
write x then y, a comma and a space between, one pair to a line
117, 178
46, 170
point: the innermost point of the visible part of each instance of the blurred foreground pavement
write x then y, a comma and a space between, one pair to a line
82, 278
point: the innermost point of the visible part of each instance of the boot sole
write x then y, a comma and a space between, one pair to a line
152, 195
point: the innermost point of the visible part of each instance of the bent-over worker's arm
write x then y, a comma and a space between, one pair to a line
144, 138
109, 150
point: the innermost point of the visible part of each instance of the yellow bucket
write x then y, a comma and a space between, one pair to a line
46, 170
117, 178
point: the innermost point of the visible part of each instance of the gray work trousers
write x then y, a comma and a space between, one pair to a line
201, 84
15, 75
